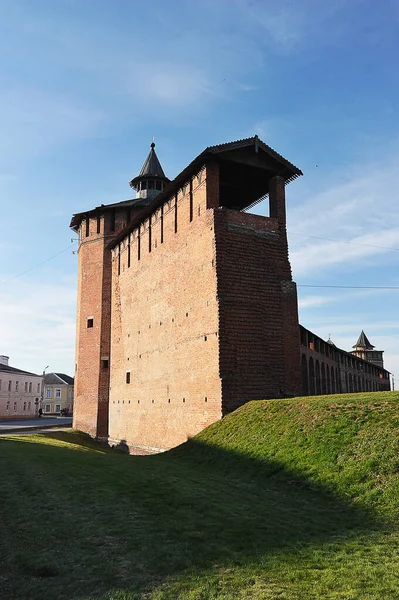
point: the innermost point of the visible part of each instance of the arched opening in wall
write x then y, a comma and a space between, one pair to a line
312, 383
328, 388
318, 378
323, 379
305, 377
350, 381
332, 381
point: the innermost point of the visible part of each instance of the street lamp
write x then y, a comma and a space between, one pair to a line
44, 374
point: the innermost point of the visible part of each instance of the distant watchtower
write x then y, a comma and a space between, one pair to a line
363, 349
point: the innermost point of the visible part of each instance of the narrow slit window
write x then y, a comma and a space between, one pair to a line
105, 363
90, 322
127, 376
113, 220
191, 201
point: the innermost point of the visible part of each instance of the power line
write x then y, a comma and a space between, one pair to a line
35, 266
315, 237
352, 287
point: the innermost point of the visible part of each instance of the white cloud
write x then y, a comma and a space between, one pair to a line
314, 301
37, 324
33, 121
363, 210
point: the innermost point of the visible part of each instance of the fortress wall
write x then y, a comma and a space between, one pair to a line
257, 309
91, 392
165, 326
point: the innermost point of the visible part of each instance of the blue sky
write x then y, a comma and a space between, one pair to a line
86, 83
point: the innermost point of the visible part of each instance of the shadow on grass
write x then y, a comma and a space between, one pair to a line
100, 522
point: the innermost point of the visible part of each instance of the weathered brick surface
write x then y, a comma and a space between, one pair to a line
256, 295
93, 344
203, 318
165, 327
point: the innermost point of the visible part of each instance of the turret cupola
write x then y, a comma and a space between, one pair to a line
151, 180
363, 349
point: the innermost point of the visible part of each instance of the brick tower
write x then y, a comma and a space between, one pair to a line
96, 229
363, 349
186, 304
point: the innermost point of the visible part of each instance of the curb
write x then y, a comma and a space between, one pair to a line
35, 428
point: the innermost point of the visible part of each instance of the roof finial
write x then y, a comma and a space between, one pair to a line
152, 143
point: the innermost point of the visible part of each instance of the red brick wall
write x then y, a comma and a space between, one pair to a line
257, 312
203, 315
93, 344
165, 327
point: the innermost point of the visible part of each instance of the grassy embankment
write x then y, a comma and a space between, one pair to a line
287, 499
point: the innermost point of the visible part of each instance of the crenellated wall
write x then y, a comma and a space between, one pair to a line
165, 325
93, 322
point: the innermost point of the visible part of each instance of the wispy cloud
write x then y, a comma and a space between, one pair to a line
33, 121
362, 211
37, 324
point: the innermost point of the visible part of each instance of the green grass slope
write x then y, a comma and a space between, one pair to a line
285, 499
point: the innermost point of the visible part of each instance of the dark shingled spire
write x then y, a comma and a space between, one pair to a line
150, 169
363, 342
151, 165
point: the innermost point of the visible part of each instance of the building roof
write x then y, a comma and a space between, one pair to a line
257, 158
13, 370
57, 379
363, 342
77, 218
150, 169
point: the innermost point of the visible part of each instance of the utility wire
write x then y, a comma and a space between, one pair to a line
315, 237
352, 287
35, 266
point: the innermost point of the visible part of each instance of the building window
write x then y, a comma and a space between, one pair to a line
105, 363
9, 385
90, 322
29, 405
48, 392
15, 407
57, 393
8, 406
47, 408
38, 388
24, 405
26, 386
30, 387
16, 386
127, 376
58, 408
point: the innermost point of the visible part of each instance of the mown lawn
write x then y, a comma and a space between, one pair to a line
286, 499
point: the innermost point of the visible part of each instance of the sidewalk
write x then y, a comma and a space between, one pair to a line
11, 426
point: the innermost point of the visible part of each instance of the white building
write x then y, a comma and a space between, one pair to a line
20, 392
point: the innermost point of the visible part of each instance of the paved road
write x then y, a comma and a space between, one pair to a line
27, 424
20, 432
